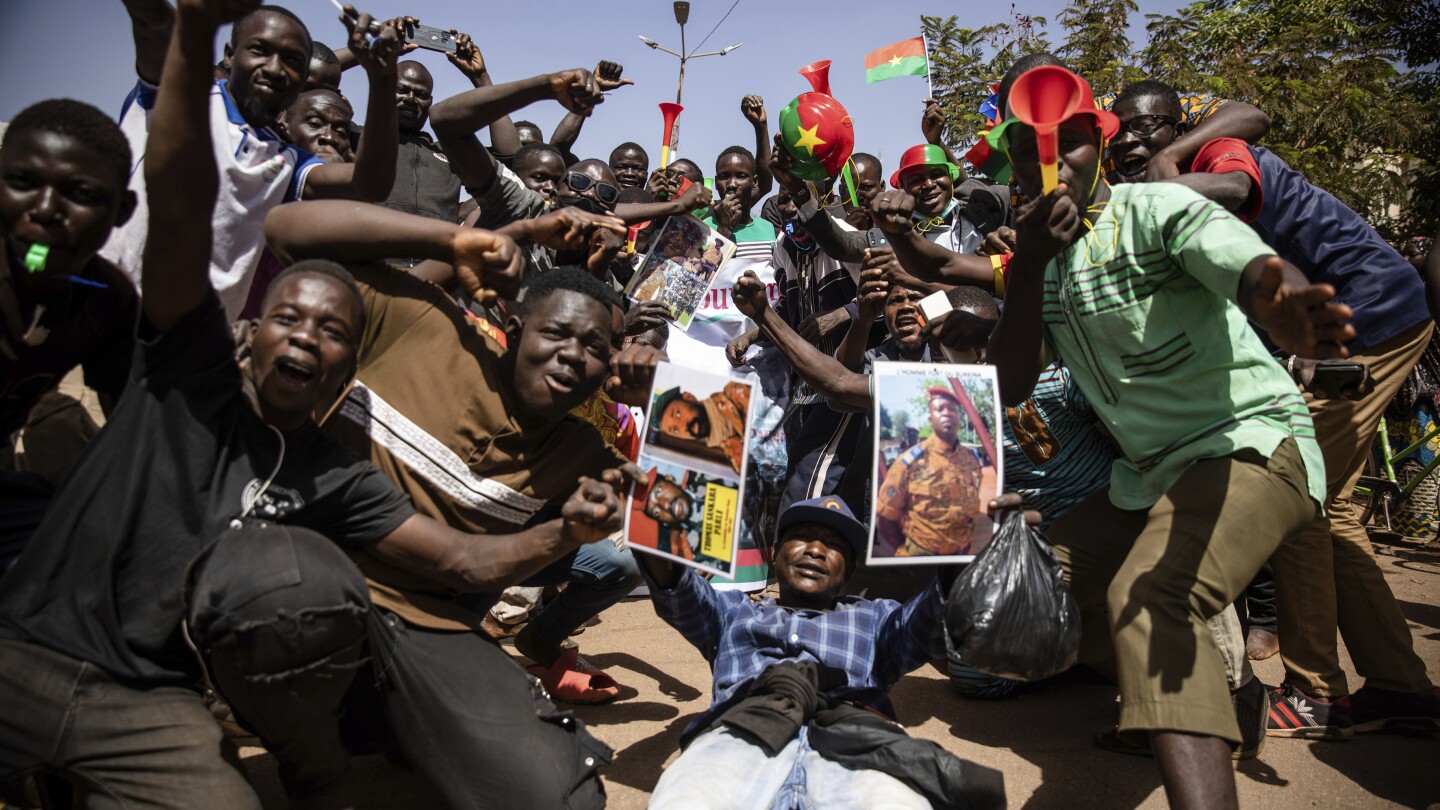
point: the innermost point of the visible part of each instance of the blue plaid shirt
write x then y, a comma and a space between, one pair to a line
874, 642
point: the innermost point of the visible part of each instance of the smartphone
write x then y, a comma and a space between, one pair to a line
1338, 379
876, 238
431, 39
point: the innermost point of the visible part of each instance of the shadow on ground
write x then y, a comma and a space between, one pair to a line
1049, 725
1404, 770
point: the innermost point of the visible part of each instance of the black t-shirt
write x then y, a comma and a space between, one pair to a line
94, 329
102, 579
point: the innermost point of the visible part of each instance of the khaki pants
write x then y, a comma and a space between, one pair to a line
1165, 572
1328, 575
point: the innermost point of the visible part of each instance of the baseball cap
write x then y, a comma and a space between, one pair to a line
828, 511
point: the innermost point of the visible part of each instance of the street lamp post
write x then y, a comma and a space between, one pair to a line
682, 15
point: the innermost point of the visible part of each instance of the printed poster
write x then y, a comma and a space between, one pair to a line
941, 461
693, 454
684, 259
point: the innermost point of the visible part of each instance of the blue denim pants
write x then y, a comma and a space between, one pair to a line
600, 576
722, 770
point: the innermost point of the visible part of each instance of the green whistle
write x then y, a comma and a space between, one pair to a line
35, 257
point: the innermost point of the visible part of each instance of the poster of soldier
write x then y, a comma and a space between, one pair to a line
940, 462
683, 262
694, 449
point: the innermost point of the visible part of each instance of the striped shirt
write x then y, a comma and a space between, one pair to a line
875, 642
1055, 456
1142, 311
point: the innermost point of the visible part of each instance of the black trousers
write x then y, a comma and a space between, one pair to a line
1256, 605
283, 620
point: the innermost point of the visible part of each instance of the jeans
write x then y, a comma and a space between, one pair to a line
118, 746
283, 621
601, 576
722, 770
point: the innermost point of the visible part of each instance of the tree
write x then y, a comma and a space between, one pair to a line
1096, 45
899, 422
958, 75
1351, 86
1344, 114
962, 75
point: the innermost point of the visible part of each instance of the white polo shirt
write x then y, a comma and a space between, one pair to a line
258, 171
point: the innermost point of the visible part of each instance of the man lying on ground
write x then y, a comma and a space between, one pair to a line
801, 704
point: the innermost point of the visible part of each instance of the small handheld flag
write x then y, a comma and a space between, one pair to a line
904, 58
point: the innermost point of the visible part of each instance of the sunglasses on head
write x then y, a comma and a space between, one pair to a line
581, 183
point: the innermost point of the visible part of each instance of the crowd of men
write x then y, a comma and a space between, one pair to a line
303, 417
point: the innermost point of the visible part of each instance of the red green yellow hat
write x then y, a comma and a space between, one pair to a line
926, 154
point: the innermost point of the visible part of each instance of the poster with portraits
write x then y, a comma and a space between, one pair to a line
940, 461
693, 455
685, 258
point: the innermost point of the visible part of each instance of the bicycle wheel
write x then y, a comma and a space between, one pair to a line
1368, 492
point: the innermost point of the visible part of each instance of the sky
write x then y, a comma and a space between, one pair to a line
94, 59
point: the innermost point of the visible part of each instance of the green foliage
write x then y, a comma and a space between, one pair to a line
1328, 73
1096, 45
1351, 86
962, 73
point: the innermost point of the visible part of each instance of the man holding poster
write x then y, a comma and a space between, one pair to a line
801, 682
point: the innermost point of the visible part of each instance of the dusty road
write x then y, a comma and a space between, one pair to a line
1040, 740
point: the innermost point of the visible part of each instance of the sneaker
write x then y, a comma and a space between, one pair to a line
1252, 713
1296, 714
1375, 709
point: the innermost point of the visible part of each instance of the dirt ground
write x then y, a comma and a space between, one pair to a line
1040, 740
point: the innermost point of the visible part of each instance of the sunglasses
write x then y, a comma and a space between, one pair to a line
580, 183
1142, 125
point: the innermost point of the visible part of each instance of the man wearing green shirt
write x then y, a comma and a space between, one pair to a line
1145, 291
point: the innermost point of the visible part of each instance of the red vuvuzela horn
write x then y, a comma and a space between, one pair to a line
818, 74
671, 113
1043, 98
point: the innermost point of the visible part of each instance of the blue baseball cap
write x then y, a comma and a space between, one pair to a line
828, 511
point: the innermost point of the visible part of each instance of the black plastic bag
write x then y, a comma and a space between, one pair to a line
1009, 613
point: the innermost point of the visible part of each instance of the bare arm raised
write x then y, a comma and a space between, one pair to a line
181, 177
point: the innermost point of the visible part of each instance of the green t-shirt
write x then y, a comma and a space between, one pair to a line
1142, 310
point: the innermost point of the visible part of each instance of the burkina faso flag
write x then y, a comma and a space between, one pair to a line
905, 58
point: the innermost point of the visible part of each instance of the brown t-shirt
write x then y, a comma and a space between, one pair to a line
430, 410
